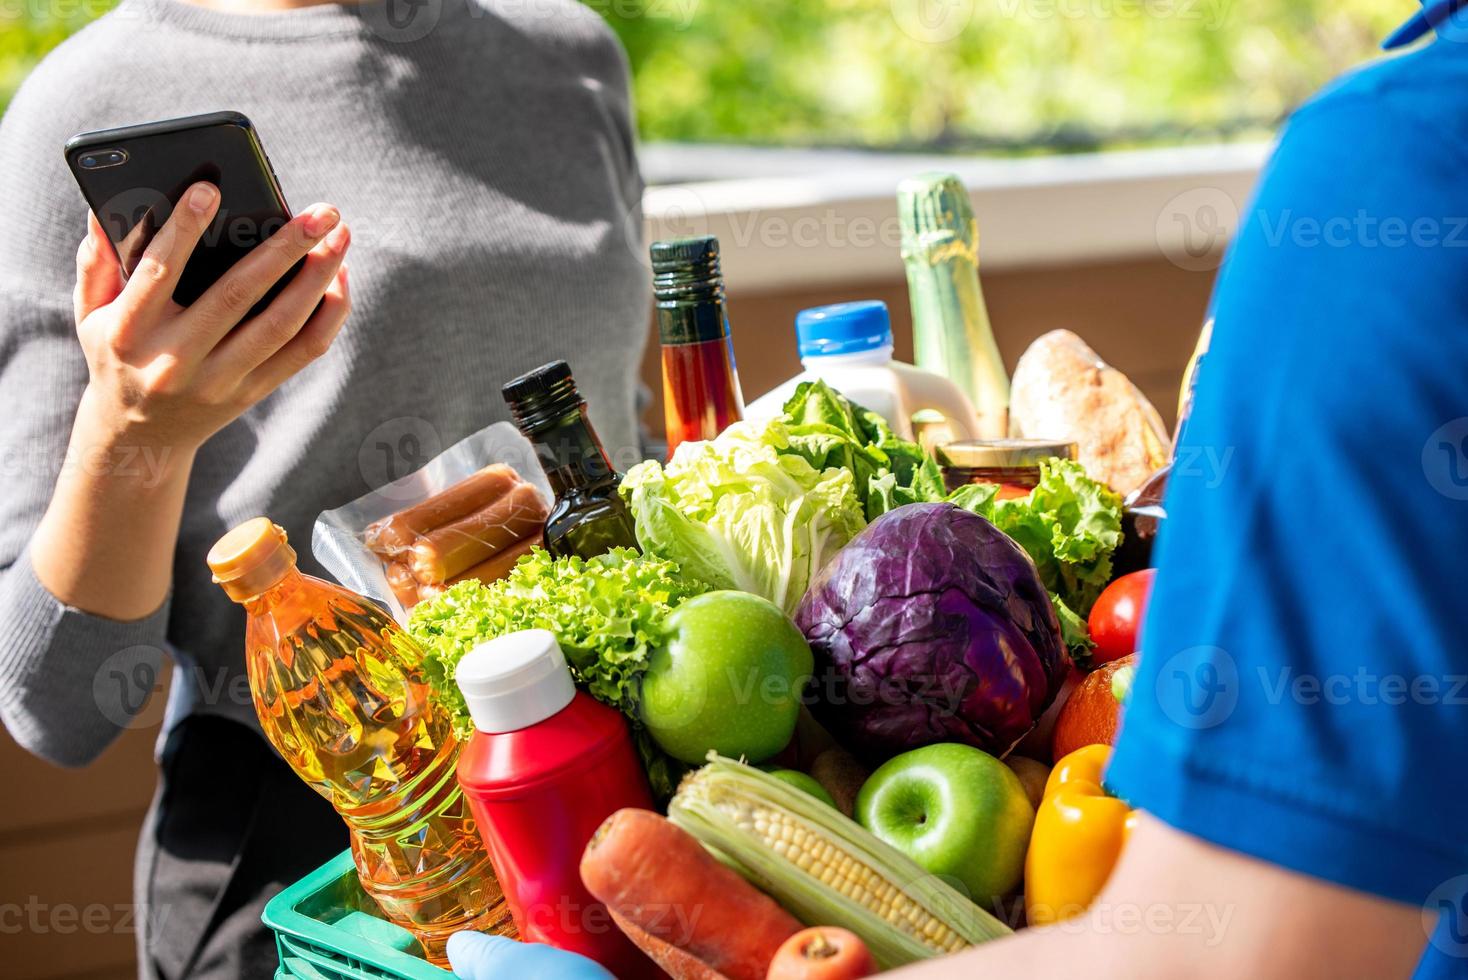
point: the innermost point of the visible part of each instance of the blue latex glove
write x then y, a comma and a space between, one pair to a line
475, 956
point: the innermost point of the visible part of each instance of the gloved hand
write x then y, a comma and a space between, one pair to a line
475, 956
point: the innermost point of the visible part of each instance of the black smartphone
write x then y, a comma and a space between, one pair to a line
133, 176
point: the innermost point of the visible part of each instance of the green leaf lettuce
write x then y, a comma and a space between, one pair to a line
606, 612
745, 511
829, 430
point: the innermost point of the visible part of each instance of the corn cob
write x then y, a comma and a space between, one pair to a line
823, 867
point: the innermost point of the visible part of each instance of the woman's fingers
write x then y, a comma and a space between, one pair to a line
229, 300
313, 340
260, 338
98, 275
149, 289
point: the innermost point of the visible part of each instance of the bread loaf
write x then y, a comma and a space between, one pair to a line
1063, 390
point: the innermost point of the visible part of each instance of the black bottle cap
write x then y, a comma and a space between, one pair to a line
538, 382
544, 395
690, 256
688, 288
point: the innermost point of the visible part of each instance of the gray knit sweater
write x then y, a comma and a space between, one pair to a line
481, 150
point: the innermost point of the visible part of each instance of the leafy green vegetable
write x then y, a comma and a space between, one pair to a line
829, 430
763, 510
1069, 524
745, 511
1073, 631
605, 611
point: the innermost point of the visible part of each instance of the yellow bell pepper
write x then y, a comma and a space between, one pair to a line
1079, 833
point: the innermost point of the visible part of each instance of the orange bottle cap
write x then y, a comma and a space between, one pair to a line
251, 559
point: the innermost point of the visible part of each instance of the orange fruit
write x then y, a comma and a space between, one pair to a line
1093, 713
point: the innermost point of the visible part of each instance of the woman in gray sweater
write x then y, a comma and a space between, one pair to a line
481, 154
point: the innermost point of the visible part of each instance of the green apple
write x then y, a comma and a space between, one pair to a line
957, 811
804, 783
728, 677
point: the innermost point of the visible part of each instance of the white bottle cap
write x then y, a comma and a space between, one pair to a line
515, 681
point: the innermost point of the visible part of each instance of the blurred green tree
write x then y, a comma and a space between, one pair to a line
1011, 75
30, 28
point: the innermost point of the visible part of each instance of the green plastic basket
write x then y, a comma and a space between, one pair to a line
327, 928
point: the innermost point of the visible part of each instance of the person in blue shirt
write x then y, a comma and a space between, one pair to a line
1294, 732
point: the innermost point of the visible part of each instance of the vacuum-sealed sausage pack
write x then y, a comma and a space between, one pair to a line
471, 512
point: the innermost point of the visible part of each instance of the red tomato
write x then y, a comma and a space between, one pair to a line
1116, 618
822, 953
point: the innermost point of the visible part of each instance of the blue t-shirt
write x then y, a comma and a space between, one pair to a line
1303, 689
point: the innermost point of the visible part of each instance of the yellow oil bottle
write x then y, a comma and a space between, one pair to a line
340, 692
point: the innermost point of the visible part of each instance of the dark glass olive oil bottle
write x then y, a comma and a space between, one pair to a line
588, 517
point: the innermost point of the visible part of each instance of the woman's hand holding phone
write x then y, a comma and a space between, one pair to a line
162, 375
162, 380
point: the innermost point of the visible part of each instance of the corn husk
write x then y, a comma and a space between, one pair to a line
824, 868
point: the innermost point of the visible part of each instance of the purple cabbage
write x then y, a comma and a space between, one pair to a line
932, 625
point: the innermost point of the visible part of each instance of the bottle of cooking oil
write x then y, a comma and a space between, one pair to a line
341, 694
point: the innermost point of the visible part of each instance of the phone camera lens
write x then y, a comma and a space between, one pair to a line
102, 159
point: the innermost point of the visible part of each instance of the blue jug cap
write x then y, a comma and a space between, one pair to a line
843, 328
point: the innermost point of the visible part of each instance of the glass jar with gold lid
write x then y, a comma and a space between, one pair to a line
1014, 464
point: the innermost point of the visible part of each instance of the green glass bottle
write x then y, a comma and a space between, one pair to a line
589, 517
950, 323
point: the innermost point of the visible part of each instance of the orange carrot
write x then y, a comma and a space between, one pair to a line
660, 878
676, 963
822, 953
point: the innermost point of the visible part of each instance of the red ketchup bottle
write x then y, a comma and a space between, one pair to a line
546, 765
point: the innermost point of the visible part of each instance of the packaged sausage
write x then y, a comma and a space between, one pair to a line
471, 512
